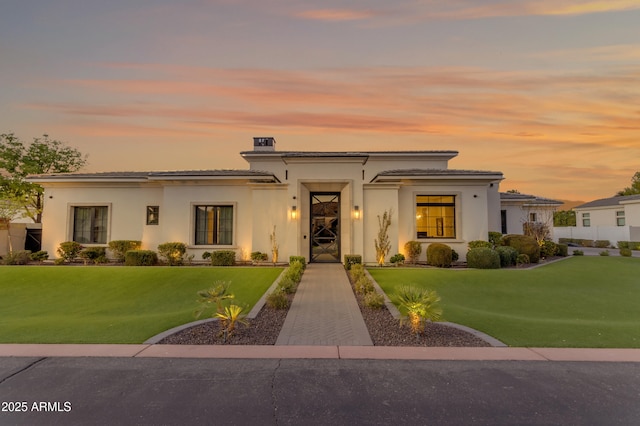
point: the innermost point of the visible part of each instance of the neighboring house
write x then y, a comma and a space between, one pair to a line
519, 209
323, 205
614, 219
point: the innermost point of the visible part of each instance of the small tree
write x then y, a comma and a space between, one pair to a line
634, 188
274, 245
383, 245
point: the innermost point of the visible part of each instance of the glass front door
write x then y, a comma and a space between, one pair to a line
325, 227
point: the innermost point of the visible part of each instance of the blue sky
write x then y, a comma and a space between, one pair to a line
545, 91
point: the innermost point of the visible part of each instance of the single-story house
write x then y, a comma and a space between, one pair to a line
517, 210
321, 205
614, 219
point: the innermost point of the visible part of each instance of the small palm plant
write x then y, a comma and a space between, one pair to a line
421, 306
231, 316
215, 295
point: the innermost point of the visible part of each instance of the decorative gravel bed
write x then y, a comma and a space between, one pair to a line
383, 329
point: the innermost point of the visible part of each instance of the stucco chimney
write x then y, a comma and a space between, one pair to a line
264, 144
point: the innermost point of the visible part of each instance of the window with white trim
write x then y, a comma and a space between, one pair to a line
213, 225
586, 220
90, 224
620, 221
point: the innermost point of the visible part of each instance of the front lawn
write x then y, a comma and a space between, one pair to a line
578, 302
111, 304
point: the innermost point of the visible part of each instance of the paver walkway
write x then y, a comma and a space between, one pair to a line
324, 310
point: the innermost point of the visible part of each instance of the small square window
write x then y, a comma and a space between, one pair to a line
153, 215
586, 220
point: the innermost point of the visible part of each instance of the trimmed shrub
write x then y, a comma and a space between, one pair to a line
69, 250
586, 243
223, 258
352, 259
563, 250
374, 300
94, 254
287, 285
206, 255
18, 257
578, 253
548, 249
602, 243
413, 250
295, 271
508, 256
522, 260
479, 243
454, 255
495, 238
278, 300
625, 252
632, 245
604, 253
524, 244
173, 253
439, 255
119, 248
40, 256
397, 259
623, 244
300, 259
483, 258
356, 272
363, 285
140, 258
257, 256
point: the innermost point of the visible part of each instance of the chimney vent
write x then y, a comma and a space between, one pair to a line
264, 144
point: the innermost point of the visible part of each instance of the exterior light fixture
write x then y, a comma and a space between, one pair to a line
294, 212
356, 212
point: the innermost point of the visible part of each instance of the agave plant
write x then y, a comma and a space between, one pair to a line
421, 306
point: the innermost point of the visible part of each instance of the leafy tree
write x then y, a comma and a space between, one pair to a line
42, 156
564, 218
513, 191
634, 189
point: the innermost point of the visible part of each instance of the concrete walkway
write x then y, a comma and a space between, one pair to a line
324, 311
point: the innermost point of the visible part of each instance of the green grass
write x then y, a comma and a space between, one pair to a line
578, 302
48, 304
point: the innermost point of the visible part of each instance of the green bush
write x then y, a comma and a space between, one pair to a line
172, 253
206, 255
524, 244
508, 256
278, 300
287, 285
363, 285
578, 253
483, 258
223, 258
602, 243
454, 255
632, 245
397, 259
140, 258
604, 253
18, 257
40, 256
439, 255
623, 244
413, 250
295, 271
522, 259
94, 254
374, 300
119, 248
563, 250
352, 259
548, 249
586, 243
356, 272
300, 259
257, 256
479, 243
495, 238
69, 250
625, 252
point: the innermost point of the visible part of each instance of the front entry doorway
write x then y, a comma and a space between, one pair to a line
325, 227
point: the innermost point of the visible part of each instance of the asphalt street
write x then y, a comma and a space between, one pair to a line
169, 391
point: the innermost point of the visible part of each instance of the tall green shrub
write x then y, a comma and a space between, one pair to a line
439, 255
413, 249
223, 258
173, 252
69, 250
524, 244
508, 256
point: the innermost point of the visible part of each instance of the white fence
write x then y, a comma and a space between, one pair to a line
611, 233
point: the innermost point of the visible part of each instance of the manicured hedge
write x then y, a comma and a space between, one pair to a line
140, 258
524, 244
508, 256
483, 258
352, 259
223, 258
301, 259
119, 248
439, 255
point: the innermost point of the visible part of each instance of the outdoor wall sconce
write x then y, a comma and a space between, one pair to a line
356, 212
294, 212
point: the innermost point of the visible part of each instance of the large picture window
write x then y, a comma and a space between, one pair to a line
90, 224
436, 216
214, 225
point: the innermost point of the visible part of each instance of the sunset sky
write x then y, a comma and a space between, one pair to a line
545, 91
